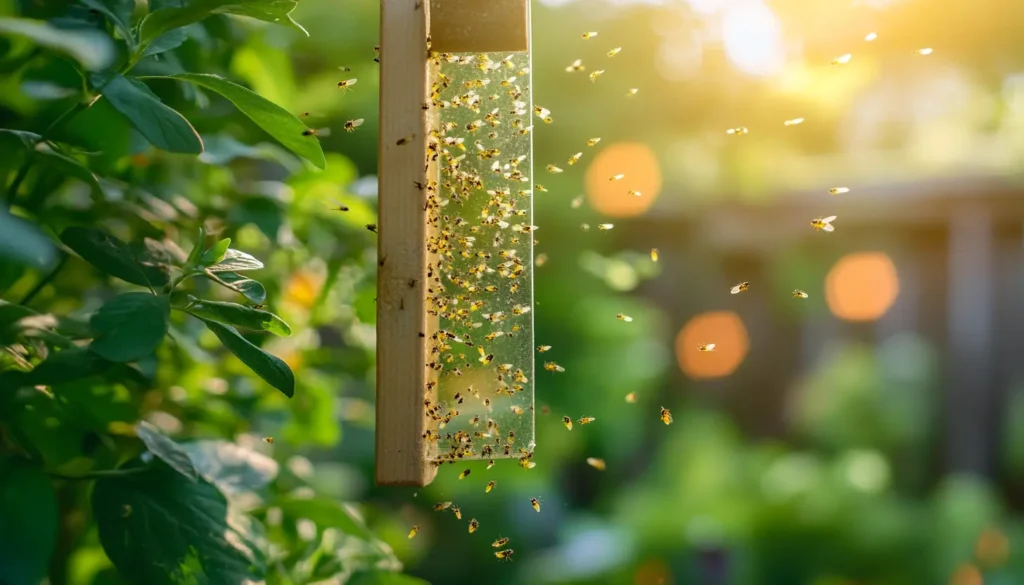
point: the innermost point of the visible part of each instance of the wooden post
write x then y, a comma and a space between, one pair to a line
403, 325
401, 249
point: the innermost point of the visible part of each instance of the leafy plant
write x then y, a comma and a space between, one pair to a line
106, 322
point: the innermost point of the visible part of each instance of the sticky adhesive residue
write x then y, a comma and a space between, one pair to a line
479, 211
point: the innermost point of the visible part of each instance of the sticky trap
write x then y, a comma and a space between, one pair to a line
455, 360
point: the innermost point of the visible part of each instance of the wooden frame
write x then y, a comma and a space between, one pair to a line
407, 29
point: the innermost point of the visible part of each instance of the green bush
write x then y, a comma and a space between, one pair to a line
143, 374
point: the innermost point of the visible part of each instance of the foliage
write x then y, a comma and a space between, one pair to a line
142, 361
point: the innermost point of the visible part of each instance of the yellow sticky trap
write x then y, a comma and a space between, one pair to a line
480, 233
479, 26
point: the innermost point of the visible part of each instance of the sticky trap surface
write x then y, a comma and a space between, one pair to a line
480, 237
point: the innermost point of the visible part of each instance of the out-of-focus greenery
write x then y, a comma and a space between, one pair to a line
846, 495
183, 314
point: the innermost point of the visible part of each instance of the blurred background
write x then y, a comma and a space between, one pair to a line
871, 434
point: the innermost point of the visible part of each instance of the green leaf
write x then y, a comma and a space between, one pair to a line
239, 316
275, 120
27, 139
236, 261
269, 367
385, 578
168, 42
251, 289
112, 256
28, 522
10, 315
68, 166
161, 21
216, 253
91, 48
131, 326
159, 528
197, 248
23, 243
164, 127
59, 367
167, 450
233, 469
120, 24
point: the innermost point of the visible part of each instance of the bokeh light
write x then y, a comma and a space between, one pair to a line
723, 328
862, 286
638, 162
966, 575
992, 548
651, 572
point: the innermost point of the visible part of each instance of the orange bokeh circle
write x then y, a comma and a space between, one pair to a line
638, 162
723, 328
862, 286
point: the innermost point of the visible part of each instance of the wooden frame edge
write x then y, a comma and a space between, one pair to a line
401, 251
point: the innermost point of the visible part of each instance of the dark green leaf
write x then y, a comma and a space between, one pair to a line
167, 450
10, 315
275, 120
27, 139
230, 467
112, 256
68, 166
269, 367
236, 261
161, 21
159, 528
28, 522
22, 242
251, 289
168, 42
239, 316
164, 127
131, 326
120, 24
215, 253
60, 366
91, 48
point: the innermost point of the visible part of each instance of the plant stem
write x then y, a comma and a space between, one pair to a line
45, 281
12, 191
101, 473
70, 113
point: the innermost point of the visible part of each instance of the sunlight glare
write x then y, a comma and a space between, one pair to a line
753, 38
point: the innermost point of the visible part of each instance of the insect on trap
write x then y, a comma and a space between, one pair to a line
455, 360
